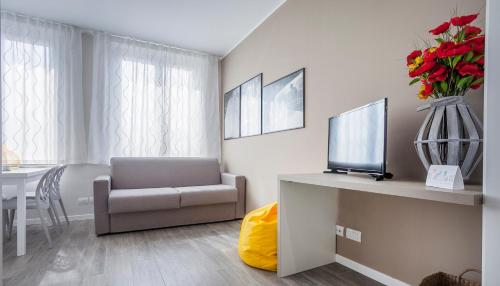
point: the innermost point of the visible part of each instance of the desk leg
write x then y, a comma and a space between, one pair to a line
306, 227
21, 218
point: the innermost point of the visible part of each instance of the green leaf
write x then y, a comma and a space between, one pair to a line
469, 56
476, 58
444, 86
435, 86
461, 35
415, 80
456, 60
464, 81
440, 40
478, 81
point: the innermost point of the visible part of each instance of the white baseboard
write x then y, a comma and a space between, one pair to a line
32, 221
369, 272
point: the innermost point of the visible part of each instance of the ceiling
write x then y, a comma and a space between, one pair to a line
212, 26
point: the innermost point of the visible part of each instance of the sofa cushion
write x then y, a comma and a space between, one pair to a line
207, 195
162, 172
138, 200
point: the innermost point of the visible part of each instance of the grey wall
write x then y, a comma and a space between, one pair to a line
354, 53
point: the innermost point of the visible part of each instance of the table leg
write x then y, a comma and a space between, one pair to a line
306, 227
21, 218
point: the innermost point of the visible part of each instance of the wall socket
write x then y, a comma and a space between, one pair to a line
339, 230
353, 234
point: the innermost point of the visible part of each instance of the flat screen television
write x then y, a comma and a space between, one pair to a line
357, 140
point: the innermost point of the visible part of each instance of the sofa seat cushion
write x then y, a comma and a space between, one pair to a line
207, 195
139, 200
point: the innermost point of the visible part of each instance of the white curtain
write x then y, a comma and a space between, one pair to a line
151, 100
41, 90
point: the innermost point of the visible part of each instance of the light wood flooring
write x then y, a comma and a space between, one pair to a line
203, 254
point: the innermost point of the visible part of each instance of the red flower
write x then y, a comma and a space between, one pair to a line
438, 74
476, 86
425, 67
477, 44
428, 89
463, 20
440, 29
449, 49
480, 61
430, 55
469, 69
471, 31
412, 56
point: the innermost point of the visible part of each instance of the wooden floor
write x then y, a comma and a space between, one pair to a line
189, 255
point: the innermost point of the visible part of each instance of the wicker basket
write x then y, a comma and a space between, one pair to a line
443, 279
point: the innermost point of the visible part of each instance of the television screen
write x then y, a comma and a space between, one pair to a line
357, 139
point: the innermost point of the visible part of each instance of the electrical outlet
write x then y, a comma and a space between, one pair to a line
339, 230
83, 201
353, 234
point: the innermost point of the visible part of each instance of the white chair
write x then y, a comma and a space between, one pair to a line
55, 194
40, 201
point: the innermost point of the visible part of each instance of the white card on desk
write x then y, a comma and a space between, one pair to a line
445, 176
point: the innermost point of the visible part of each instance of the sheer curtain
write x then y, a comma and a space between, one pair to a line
151, 100
41, 90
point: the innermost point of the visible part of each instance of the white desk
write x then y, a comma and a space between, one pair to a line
20, 178
308, 212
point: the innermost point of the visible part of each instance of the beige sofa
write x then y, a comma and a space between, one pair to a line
146, 193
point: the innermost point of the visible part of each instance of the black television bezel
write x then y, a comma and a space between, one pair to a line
383, 170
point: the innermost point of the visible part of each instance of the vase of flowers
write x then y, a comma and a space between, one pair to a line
451, 133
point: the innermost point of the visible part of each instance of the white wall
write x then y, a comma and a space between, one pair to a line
491, 180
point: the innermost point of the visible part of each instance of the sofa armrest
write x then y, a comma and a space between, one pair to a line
102, 187
240, 183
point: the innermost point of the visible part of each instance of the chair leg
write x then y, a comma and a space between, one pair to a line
53, 207
5, 222
64, 210
51, 215
11, 222
44, 226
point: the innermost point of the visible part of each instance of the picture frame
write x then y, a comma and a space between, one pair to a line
251, 107
232, 113
283, 103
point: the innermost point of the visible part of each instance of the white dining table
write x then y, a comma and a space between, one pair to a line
20, 178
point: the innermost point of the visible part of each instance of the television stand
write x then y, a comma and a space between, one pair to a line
377, 177
317, 195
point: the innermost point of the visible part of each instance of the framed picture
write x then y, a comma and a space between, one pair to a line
283, 103
232, 114
251, 107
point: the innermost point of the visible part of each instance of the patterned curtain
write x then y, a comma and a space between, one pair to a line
42, 107
150, 100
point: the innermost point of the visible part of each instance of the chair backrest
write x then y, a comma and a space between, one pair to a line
161, 172
43, 189
55, 184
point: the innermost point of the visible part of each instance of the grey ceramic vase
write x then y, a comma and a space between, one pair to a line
451, 134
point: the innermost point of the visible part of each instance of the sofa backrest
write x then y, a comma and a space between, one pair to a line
161, 172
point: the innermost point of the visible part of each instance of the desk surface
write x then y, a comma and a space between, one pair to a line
24, 172
471, 196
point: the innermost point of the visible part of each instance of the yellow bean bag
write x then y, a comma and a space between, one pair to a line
257, 246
